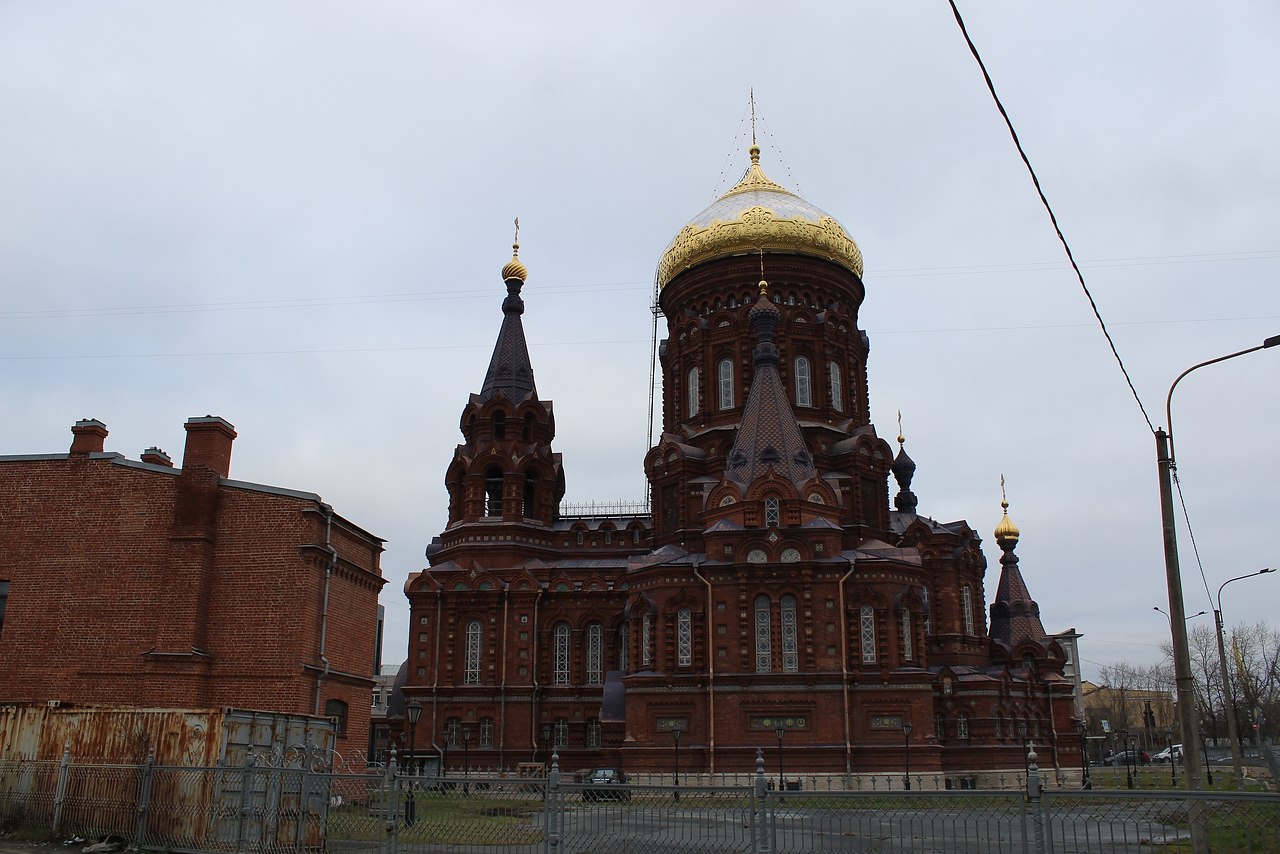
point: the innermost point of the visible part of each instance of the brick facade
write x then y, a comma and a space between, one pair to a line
134, 583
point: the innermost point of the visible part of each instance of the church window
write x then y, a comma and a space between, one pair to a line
907, 653
999, 731
635, 535
804, 394
966, 604
624, 637
928, 611
757, 556
939, 727
684, 638
562, 732
816, 498
593, 732
646, 637
727, 500
726, 384
962, 726
493, 492
608, 536
581, 536
486, 732
560, 653
694, 391
453, 732
499, 425
836, 387
790, 635
527, 433
790, 555
595, 653
772, 516
471, 668
764, 635
530, 494
868, 623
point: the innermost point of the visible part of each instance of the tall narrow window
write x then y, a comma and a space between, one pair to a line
928, 611
646, 635
966, 603
764, 636
836, 386
595, 653
695, 390
939, 727
499, 425
962, 726
593, 732
562, 732
560, 651
471, 668
527, 433
726, 384
790, 635
684, 638
772, 515
486, 732
804, 391
907, 653
868, 616
530, 495
453, 732
493, 492
624, 638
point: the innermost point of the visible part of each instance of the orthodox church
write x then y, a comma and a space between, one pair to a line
772, 593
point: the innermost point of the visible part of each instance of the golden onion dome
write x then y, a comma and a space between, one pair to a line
1006, 530
756, 215
515, 268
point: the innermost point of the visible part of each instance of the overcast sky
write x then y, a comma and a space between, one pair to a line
293, 215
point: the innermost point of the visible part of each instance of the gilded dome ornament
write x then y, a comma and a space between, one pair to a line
515, 268
757, 214
1006, 530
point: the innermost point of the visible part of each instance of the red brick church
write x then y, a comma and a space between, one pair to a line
773, 584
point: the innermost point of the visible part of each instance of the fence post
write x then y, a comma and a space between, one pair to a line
553, 804
759, 825
144, 799
60, 793
392, 803
246, 780
1033, 800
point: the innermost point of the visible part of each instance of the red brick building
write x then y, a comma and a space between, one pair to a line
772, 582
133, 583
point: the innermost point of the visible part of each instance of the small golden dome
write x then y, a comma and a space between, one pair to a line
1006, 530
515, 268
757, 214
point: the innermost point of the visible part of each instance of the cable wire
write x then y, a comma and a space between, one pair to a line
1052, 218
1177, 484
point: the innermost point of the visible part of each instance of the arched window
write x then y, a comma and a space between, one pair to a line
868, 622
907, 653
726, 384
764, 636
772, 515
499, 425
962, 726
593, 732
695, 390
966, 604
624, 637
928, 611
493, 492
337, 710
560, 653
595, 653
646, 636
530, 494
527, 433
790, 635
836, 387
684, 638
790, 556
939, 727
471, 666
804, 392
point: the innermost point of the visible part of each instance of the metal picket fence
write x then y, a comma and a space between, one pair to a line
301, 802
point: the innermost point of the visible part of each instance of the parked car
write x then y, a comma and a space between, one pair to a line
611, 785
1123, 757
1163, 756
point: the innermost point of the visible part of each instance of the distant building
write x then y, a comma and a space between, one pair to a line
133, 583
769, 591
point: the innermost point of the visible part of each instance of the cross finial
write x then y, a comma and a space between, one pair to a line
764, 286
1004, 500
901, 439
752, 93
516, 243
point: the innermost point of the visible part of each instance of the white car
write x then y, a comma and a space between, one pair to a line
1163, 756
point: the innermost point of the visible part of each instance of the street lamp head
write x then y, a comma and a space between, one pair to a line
1271, 342
906, 729
414, 711
466, 736
1267, 569
779, 731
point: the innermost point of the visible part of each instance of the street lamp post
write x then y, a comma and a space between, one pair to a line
1173, 575
1228, 689
1204, 747
1131, 760
1173, 765
1022, 738
1170, 619
675, 733
466, 761
413, 710
780, 731
906, 756
1085, 781
546, 743
1123, 736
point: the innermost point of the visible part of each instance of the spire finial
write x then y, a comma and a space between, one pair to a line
515, 245
1004, 499
752, 93
515, 272
901, 439
1007, 533
764, 286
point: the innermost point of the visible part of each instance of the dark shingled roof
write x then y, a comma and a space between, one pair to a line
1015, 616
510, 371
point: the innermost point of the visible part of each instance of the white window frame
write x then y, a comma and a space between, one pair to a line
695, 390
684, 638
474, 644
595, 653
835, 386
804, 382
764, 634
966, 603
867, 620
790, 635
560, 654
907, 652
725, 374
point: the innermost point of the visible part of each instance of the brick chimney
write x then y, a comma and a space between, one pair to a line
209, 444
157, 457
88, 437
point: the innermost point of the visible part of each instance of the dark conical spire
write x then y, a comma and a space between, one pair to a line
510, 371
768, 435
904, 468
1015, 616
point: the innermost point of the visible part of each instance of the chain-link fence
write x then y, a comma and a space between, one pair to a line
298, 803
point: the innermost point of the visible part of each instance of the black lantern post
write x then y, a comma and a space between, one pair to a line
780, 731
675, 733
1204, 748
1085, 781
1131, 760
906, 756
1022, 739
1173, 765
546, 744
413, 710
466, 761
